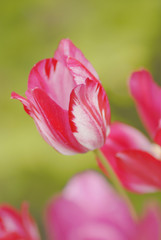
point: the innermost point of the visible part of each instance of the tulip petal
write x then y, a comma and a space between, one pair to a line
53, 78
29, 224
59, 225
89, 114
24, 101
149, 227
157, 138
147, 96
53, 123
139, 171
93, 208
91, 185
124, 149
11, 220
13, 225
79, 72
99, 231
67, 49
123, 137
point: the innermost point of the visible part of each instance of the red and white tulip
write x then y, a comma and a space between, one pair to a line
67, 101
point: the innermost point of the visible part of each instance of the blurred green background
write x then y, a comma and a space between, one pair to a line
117, 36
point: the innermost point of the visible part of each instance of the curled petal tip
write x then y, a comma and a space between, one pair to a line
14, 95
24, 101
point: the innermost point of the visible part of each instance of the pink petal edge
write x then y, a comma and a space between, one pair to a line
24, 101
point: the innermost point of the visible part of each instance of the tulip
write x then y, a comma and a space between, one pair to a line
88, 208
135, 160
16, 225
67, 101
147, 97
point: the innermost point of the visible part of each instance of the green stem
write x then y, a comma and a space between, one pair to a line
115, 180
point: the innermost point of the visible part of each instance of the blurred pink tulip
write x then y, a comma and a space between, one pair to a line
134, 158
16, 225
89, 209
67, 101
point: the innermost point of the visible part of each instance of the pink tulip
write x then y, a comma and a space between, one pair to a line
16, 225
134, 158
89, 209
147, 96
67, 101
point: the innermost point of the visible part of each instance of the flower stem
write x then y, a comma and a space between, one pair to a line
115, 180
